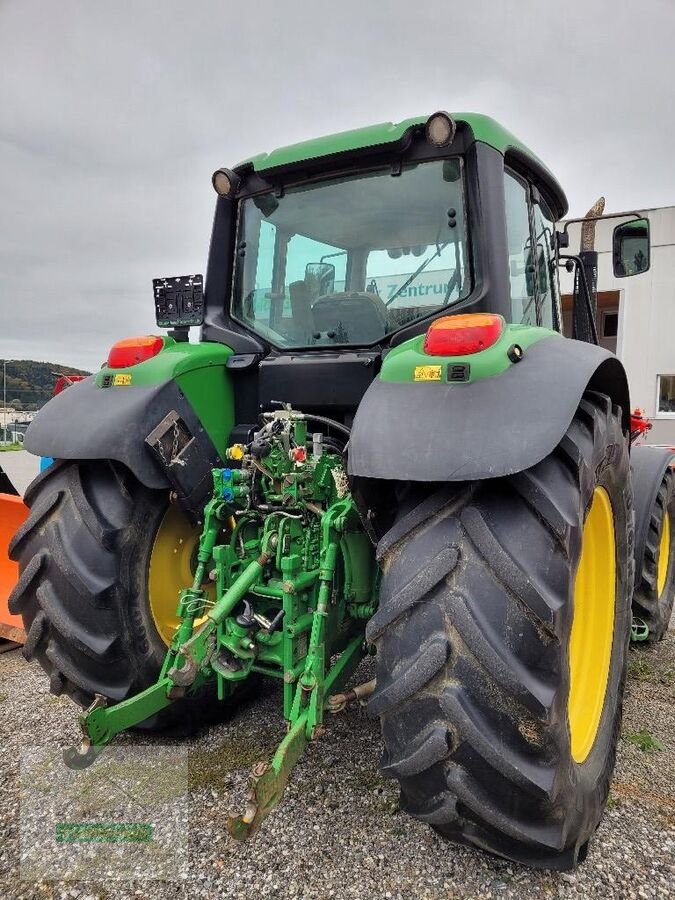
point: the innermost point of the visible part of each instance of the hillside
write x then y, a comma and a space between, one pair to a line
30, 384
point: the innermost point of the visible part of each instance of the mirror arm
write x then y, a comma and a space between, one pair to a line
630, 215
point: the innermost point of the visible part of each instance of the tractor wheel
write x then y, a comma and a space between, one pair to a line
101, 561
502, 639
655, 591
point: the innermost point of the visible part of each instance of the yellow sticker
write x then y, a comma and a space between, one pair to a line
121, 380
428, 373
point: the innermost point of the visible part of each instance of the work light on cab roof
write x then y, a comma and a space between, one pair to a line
440, 129
225, 182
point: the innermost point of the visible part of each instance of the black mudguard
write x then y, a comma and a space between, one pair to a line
648, 466
87, 422
494, 427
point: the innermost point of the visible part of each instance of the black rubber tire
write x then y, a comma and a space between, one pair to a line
652, 608
472, 638
83, 556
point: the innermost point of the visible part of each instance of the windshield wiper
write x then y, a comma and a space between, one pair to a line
414, 275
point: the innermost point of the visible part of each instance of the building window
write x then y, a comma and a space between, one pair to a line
665, 386
610, 324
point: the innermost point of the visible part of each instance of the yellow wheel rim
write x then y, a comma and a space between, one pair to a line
171, 569
664, 554
592, 626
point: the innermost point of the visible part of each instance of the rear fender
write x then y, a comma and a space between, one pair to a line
96, 419
648, 466
489, 428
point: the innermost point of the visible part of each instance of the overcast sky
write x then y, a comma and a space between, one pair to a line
113, 115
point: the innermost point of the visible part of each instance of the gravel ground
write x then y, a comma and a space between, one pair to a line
338, 832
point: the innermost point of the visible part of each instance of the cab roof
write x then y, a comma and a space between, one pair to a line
483, 128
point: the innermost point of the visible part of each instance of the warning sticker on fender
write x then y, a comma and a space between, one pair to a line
428, 373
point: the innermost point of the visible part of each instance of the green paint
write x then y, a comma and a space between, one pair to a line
266, 789
483, 128
399, 365
199, 370
177, 358
342, 142
639, 630
101, 724
209, 392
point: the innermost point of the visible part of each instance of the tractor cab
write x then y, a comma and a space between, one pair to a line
328, 254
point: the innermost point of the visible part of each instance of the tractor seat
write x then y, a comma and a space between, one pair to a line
357, 316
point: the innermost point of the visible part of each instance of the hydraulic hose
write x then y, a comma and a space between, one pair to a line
330, 422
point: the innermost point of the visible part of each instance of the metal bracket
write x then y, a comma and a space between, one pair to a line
267, 782
639, 630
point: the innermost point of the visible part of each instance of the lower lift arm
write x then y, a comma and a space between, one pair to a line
101, 723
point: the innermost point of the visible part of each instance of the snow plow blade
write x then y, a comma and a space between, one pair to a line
13, 512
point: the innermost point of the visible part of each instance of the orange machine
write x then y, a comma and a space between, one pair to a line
13, 512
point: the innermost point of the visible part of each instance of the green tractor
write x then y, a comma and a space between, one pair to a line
380, 445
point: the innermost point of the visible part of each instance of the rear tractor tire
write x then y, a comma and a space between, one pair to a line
655, 589
101, 562
502, 639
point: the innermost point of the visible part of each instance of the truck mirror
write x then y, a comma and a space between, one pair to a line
630, 248
320, 279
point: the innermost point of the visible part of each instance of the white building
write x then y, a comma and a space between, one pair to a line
636, 318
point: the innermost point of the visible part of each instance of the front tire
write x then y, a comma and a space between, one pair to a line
499, 685
87, 559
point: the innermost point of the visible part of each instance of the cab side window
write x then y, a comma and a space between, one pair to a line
546, 280
529, 231
521, 257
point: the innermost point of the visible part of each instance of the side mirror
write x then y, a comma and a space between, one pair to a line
630, 248
320, 279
